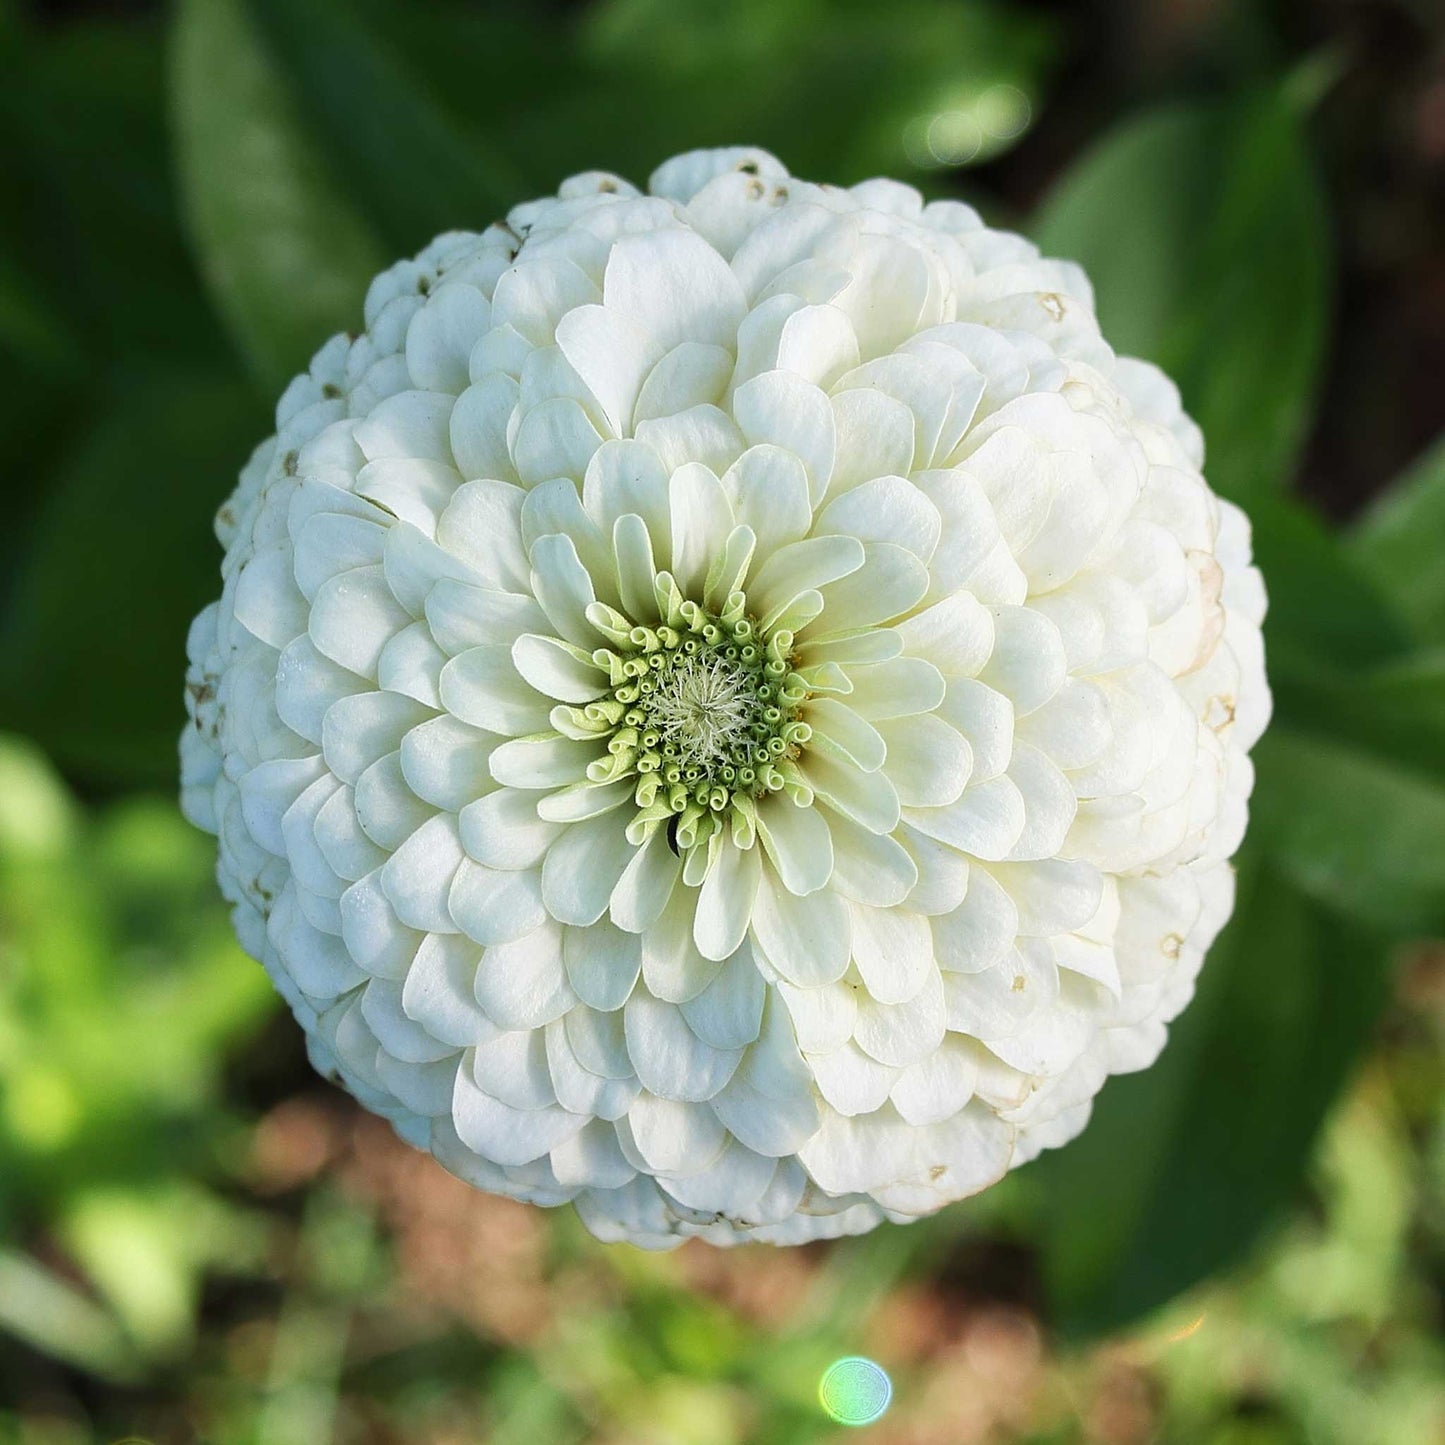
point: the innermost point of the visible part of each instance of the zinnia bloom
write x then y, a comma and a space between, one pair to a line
729, 705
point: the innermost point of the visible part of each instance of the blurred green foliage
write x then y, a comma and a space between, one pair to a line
120, 988
194, 203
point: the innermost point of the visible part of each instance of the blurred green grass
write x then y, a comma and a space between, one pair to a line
200, 1242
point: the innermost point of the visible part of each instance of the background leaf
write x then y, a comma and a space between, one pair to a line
1182, 1166
1354, 830
1400, 542
92, 648
405, 159
286, 257
1221, 275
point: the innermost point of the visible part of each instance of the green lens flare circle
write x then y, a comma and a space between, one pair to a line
855, 1391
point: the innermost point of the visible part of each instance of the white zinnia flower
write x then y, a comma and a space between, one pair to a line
729, 706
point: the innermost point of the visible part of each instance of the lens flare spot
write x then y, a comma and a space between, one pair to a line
855, 1391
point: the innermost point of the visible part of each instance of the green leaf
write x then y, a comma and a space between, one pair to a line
1396, 711
95, 216
1183, 1165
286, 257
1204, 231
92, 647
1398, 542
1358, 831
1324, 610
406, 161
837, 91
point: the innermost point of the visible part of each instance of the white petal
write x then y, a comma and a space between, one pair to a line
885, 509
557, 669
503, 1134
410, 424
835, 723
444, 762
442, 334
523, 984
823, 1018
461, 616
899, 688
672, 1137
482, 526
937, 1085
555, 438
985, 822
798, 842
899, 1034
358, 730
889, 583
980, 931
893, 951
493, 905
562, 586
725, 900
866, 798
869, 867
600, 1042
602, 963
439, 990
800, 567
768, 489
673, 966
728, 1013
546, 761
955, 635
482, 686
670, 1059
805, 939
353, 617
851, 1081
646, 884
592, 1158
928, 762
513, 1068
671, 286
583, 867
419, 875
794, 414
1049, 803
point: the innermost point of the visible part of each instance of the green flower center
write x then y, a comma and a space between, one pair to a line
703, 711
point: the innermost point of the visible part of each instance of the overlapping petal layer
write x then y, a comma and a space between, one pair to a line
729, 705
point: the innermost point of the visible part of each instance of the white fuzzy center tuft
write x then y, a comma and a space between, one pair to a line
704, 706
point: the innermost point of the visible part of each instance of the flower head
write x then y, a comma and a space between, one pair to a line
729, 705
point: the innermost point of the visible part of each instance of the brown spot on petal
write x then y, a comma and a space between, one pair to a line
1053, 303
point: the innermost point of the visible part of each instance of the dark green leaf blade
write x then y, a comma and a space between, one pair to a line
1353, 829
405, 159
122, 557
1323, 608
1204, 232
286, 257
1400, 542
1182, 1166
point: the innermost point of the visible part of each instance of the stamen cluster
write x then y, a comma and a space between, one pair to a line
703, 710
